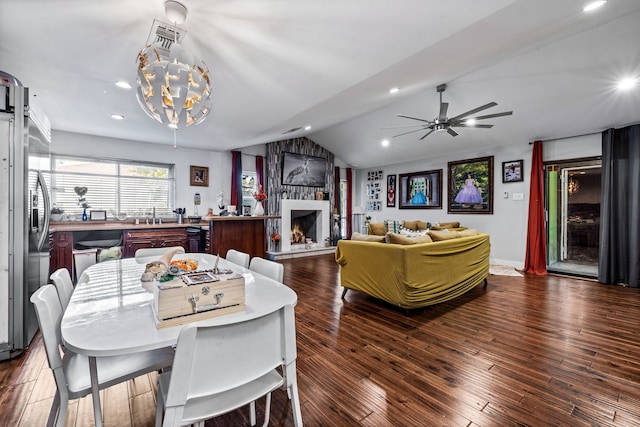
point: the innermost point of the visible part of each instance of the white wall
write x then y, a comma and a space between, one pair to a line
508, 223
219, 163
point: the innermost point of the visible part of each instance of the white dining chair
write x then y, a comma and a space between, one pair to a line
220, 368
238, 258
147, 252
71, 371
267, 268
61, 278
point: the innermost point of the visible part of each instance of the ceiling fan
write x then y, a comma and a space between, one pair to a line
442, 123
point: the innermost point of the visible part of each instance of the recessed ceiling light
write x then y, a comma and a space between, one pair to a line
470, 122
594, 5
307, 127
626, 84
385, 142
123, 85
117, 117
394, 90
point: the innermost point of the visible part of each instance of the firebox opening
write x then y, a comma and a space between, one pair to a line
303, 226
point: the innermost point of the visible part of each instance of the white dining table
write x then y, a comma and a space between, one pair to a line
110, 310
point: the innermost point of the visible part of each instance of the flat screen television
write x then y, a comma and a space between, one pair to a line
304, 170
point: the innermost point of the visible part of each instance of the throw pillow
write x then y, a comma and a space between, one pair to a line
377, 228
392, 226
445, 225
398, 239
439, 236
423, 225
409, 232
367, 237
411, 224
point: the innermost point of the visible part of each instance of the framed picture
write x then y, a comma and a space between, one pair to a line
199, 176
512, 171
420, 190
300, 169
98, 215
246, 210
470, 187
391, 191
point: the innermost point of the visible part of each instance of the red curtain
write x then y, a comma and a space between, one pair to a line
336, 204
536, 256
236, 180
260, 170
349, 200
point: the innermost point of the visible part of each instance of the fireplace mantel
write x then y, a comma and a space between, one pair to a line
324, 229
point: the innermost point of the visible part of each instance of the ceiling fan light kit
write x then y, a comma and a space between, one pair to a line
442, 123
173, 85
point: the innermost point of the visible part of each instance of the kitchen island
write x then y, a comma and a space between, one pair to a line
214, 236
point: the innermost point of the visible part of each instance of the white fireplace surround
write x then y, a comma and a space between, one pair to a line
323, 227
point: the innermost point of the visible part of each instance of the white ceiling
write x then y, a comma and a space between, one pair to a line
283, 64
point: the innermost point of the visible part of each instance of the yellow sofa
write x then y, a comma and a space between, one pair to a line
412, 276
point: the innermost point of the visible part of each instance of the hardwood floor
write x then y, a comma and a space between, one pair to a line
531, 351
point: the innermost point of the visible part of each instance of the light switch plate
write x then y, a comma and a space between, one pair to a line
518, 196
506, 195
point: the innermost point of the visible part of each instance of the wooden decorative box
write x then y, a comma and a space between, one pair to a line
197, 296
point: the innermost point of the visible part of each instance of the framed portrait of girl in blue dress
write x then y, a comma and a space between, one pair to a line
470, 186
420, 190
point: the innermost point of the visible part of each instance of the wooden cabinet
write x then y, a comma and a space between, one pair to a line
195, 240
153, 238
61, 251
245, 235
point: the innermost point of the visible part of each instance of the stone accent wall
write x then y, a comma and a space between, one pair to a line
274, 187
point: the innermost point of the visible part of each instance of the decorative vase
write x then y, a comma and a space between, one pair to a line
84, 214
259, 210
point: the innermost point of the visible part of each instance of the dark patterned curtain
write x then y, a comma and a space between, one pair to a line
536, 257
236, 180
620, 207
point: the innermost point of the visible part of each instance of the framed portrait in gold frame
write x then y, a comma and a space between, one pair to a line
199, 176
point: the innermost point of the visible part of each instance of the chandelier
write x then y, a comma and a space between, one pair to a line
173, 85
573, 186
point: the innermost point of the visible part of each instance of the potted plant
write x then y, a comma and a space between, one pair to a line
56, 213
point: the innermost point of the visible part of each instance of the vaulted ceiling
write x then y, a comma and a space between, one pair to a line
279, 65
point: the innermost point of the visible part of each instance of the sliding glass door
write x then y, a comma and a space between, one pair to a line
573, 216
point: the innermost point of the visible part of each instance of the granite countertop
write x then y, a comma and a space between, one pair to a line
130, 224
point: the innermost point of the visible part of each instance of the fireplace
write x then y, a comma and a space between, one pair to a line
304, 219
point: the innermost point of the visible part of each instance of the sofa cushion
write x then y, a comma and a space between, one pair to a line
416, 225
398, 239
367, 237
441, 235
377, 228
410, 224
445, 225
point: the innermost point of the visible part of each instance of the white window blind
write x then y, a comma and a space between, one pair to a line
118, 187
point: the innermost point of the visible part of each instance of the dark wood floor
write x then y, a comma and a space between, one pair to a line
531, 351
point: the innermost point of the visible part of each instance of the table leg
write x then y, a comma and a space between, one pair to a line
95, 391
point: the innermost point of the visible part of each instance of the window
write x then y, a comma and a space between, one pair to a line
249, 186
131, 188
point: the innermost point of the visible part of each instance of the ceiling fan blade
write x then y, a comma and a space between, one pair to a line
475, 110
403, 127
413, 118
464, 125
427, 134
444, 106
490, 116
406, 133
452, 132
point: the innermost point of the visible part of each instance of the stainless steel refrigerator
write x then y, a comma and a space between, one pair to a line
25, 138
